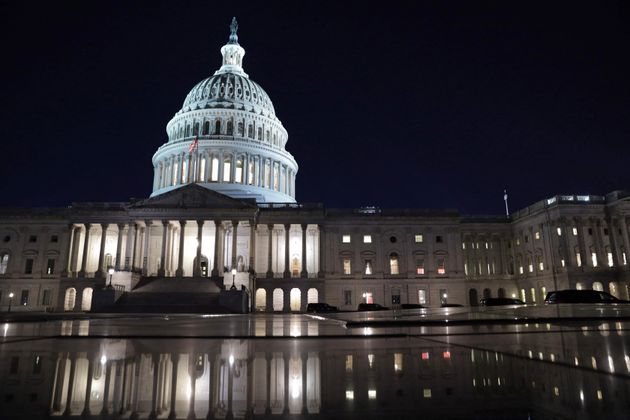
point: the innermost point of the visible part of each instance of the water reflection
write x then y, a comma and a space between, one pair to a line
546, 376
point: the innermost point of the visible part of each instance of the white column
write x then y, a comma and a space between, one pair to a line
217, 244
145, 253
161, 268
304, 273
180, 264
287, 257
121, 228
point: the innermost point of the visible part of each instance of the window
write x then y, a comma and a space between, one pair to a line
578, 258
250, 131
594, 258
217, 127
590, 231
530, 265
24, 298
559, 231
518, 241
230, 128
533, 293
526, 239
240, 129
206, 128
32, 238
419, 238
574, 230
214, 173
54, 238
422, 297
605, 232
398, 362
348, 362
347, 268
441, 267
393, 263
250, 172
541, 266
463, 245
239, 170
46, 297
28, 267
439, 240
610, 259
227, 169
367, 239
4, 262
368, 267
426, 392
50, 266
392, 239
420, 266
537, 235
347, 297
37, 365
372, 394
7, 238
345, 239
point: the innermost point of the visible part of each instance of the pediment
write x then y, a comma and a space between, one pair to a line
194, 196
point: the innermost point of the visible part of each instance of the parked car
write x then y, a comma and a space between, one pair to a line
371, 307
581, 296
411, 306
500, 301
320, 307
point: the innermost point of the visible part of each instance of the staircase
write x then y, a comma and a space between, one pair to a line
171, 295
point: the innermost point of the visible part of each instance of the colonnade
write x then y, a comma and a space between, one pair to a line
223, 167
137, 244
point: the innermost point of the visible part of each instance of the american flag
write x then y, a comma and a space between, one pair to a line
193, 145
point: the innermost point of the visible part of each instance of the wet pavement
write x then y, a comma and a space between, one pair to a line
294, 366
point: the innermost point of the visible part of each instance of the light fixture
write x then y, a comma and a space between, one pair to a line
233, 277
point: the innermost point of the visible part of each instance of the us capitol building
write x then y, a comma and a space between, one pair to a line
222, 221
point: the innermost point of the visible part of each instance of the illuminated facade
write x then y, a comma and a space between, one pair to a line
223, 207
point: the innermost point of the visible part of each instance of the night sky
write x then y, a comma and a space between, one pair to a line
434, 105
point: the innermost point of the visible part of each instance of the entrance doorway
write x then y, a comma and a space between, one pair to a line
203, 265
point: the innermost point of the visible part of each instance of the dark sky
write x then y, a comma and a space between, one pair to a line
400, 104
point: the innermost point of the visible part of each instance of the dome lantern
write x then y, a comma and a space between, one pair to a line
232, 53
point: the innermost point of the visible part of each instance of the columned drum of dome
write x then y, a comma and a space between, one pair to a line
227, 138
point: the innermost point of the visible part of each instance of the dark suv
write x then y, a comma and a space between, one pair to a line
500, 301
581, 296
371, 307
320, 307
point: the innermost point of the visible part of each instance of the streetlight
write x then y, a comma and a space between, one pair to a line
111, 273
233, 277
10, 300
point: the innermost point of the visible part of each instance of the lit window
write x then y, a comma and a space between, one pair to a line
371, 360
50, 266
463, 245
393, 263
446, 354
426, 392
556, 391
574, 230
425, 355
372, 394
398, 362
523, 296
600, 395
562, 263
537, 235
533, 293
368, 267
594, 362
625, 259
594, 259
367, 239
420, 266
559, 230
610, 259
214, 173
518, 241
578, 259
239, 171
227, 169
422, 299
348, 363
345, 239
349, 395
347, 268
419, 239
441, 268
520, 269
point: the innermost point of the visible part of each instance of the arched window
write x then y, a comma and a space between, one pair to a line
261, 299
239, 170
217, 127
250, 172
206, 128
250, 131
487, 293
230, 128
278, 299
598, 286
214, 174
227, 168
187, 133
312, 296
70, 298
267, 137
393, 263
181, 132
267, 174
259, 133
86, 299
196, 129
240, 129
296, 299
593, 257
275, 139
4, 263
441, 265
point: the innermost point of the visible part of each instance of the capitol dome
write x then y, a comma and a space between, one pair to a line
227, 138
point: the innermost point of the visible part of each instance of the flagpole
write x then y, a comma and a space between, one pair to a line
505, 197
